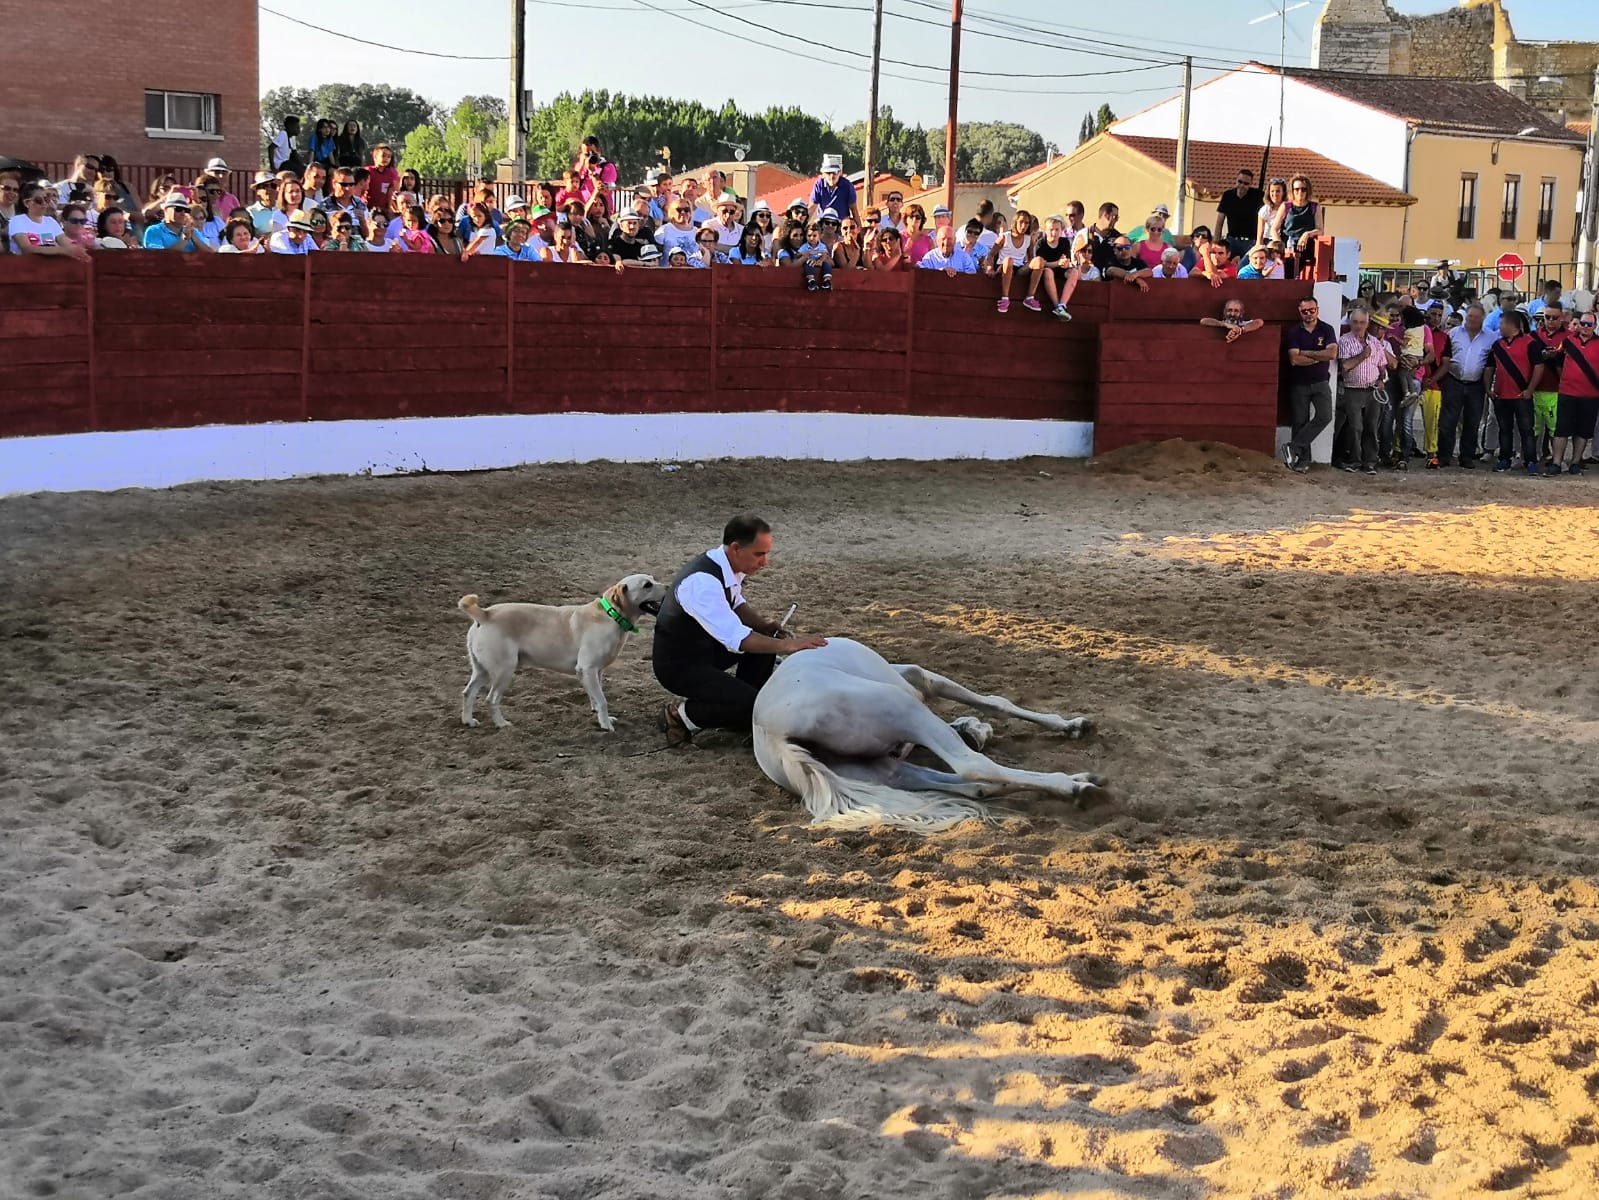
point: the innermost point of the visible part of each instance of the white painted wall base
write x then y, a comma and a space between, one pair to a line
166, 457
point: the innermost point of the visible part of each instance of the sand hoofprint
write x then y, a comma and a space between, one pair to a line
273, 924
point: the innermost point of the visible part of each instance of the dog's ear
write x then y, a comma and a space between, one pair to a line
617, 595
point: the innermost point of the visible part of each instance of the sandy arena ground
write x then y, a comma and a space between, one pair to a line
273, 924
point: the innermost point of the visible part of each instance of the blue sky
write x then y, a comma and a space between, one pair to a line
633, 46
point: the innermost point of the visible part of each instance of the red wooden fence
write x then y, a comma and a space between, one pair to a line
136, 340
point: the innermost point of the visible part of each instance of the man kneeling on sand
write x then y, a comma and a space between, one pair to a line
706, 626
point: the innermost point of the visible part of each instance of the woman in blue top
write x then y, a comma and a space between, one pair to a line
323, 148
749, 252
787, 247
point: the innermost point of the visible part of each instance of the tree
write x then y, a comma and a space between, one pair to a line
386, 113
1095, 124
436, 152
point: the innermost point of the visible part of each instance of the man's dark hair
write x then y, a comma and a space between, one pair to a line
1109, 207
1514, 316
985, 208
1554, 305
743, 529
1552, 285
290, 124
1246, 172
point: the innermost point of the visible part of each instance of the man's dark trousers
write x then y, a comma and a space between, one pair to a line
717, 700
1515, 415
1461, 411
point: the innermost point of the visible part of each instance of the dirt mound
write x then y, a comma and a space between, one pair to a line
1178, 456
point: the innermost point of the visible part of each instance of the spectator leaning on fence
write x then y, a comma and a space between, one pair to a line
946, 256
832, 189
1232, 320
113, 232
35, 231
294, 238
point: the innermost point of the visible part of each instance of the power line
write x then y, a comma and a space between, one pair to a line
350, 37
766, 45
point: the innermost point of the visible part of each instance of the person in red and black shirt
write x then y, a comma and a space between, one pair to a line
1579, 393
1546, 399
1515, 368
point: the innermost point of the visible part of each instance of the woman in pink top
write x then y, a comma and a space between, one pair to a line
917, 242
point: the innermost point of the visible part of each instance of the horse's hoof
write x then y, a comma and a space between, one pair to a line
469, 722
1079, 728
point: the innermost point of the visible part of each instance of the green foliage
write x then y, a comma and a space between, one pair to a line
984, 152
1095, 124
386, 113
436, 152
633, 130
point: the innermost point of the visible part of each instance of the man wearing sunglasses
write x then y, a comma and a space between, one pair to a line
1311, 345
1578, 410
1551, 330
892, 219
84, 169
344, 199
725, 226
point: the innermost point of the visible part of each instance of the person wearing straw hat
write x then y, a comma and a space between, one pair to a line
295, 238
832, 190
175, 230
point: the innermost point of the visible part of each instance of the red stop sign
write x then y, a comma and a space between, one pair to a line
1510, 267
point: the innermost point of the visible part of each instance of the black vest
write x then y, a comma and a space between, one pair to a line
678, 635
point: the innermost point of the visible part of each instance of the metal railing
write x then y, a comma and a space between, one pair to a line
1394, 277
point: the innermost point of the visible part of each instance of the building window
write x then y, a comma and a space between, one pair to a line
1546, 209
1466, 226
1511, 209
179, 113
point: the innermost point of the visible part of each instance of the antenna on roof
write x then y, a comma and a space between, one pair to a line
1280, 10
739, 149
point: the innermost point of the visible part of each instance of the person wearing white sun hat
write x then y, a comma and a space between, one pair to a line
833, 190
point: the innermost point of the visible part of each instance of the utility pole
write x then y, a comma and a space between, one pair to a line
516, 139
871, 113
1181, 207
954, 105
1588, 199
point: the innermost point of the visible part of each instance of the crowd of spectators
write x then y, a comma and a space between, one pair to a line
1475, 372
329, 191
1490, 379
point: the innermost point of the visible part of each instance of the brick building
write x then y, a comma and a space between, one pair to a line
163, 83
1473, 40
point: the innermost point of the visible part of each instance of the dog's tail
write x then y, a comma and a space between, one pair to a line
839, 803
468, 605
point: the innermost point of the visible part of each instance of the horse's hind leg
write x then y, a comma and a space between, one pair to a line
913, 721
934, 686
892, 772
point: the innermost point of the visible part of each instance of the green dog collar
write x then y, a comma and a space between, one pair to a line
610, 611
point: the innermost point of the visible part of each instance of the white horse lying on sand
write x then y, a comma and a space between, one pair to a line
833, 726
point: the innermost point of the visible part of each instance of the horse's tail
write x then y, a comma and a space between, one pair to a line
840, 803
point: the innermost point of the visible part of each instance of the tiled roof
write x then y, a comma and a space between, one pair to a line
1213, 168
1437, 103
1019, 176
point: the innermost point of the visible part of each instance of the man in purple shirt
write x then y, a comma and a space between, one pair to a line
1311, 346
832, 190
